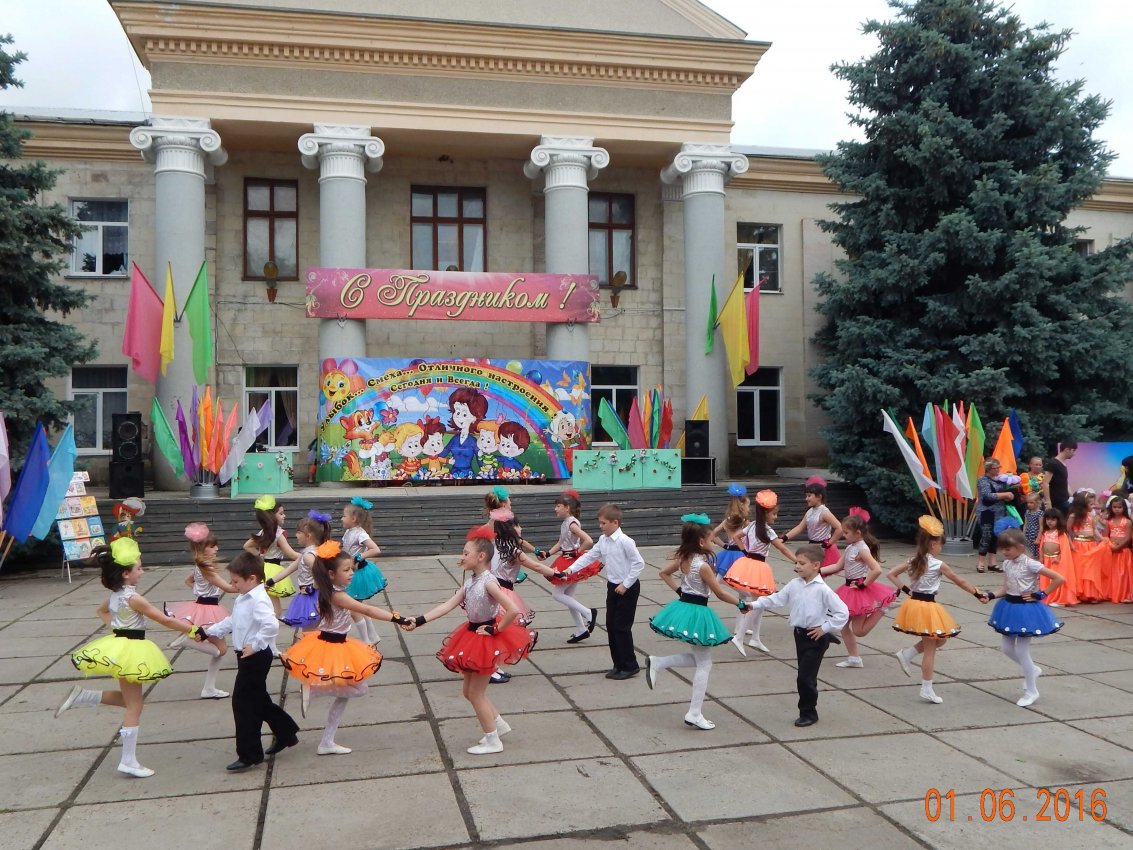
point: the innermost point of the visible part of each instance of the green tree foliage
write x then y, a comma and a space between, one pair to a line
35, 241
962, 279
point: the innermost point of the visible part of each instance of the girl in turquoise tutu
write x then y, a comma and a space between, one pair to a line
688, 618
358, 543
126, 654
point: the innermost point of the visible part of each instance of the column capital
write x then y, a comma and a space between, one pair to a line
566, 161
179, 144
342, 150
702, 168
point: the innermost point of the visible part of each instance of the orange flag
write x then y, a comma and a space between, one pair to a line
1005, 450
911, 433
205, 414
215, 459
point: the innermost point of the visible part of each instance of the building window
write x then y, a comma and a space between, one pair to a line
271, 228
280, 385
103, 248
611, 237
616, 384
98, 393
449, 229
1083, 247
757, 252
759, 409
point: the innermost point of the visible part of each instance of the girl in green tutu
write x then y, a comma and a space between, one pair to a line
691, 574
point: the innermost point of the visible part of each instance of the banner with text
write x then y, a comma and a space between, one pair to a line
454, 296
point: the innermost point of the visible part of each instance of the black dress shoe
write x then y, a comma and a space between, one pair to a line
243, 765
593, 621
624, 674
278, 745
834, 639
806, 721
578, 638
612, 672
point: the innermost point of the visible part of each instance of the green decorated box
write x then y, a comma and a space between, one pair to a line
265, 472
628, 470
661, 468
592, 469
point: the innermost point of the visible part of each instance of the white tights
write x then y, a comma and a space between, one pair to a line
564, 595
338, 708
701, 659
1018, 649
750, 619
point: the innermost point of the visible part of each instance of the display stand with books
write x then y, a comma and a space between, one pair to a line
80, 527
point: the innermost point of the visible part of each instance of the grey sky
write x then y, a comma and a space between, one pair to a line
78, 57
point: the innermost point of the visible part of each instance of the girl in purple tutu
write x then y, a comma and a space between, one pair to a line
303, 612
866, 598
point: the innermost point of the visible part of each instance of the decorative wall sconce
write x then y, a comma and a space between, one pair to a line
271, 279
617, 284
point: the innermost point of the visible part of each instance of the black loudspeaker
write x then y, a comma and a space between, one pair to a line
126, 479
698, 470
696, 438
126, 439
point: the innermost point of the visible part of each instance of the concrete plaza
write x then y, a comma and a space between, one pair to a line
590, 762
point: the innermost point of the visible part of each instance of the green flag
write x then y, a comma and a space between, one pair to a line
974, 458
613, 424
710, 339
164, 439
200, 325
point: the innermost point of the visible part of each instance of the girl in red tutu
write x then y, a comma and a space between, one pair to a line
492, 636
751, 575
822, 527
1088, 550
1118, 560
327, 662
866, 598
1056, 555
206, 609
573, 541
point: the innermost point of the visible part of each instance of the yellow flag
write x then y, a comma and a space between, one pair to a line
733, 330
701, 412
168, 312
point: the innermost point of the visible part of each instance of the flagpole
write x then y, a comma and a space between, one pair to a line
7, 546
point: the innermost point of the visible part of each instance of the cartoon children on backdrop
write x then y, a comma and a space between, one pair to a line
468, 407
514, 440
434, 465
410, 438
487, 445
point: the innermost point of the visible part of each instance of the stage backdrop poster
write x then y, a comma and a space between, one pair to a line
1097, 466
401, 419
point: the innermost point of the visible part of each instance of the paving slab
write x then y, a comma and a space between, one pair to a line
28, 785
23, 830
390, 749
41, 732
964, 707
381, 704
661, 728
535, 737
840, 715
1064, 697
844, 829
521, 694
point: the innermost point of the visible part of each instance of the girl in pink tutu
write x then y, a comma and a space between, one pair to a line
573, 541
206, 608
866, 598
822, 527
492, 636
751, 575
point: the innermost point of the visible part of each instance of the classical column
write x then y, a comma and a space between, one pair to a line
342, 154
179, 149
567, 164
701, 171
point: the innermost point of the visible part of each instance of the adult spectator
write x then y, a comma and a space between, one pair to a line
1056, 487
993, 497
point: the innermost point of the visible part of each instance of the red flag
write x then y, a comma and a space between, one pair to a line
950, 461
635, 428
752, 303
141, 339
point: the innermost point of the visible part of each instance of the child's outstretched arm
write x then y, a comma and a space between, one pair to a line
285, 547
288, 570
782, 549
965, 585
345, 600
442, 609
531, 564
146, 609
722, 593
800, 527
834, 568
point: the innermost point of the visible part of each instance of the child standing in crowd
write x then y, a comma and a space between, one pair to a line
358, 543
270, 543
1020, 615
125, 655
1087, 548
1032, 522
492, 636
735, 518
253, 627
1056, 555
821, 526
921, 615
573, 541
751, 575
206, 609
1033, 480
816, 615
1117, 560
303, 612
688, 618
623, 564
865, 598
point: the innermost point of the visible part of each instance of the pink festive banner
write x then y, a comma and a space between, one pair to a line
454, 296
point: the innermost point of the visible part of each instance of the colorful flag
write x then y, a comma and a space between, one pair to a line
216, 439
1016, 431
634, 427
5, 468
963, 486
168, 314
141, 339
30, 489
163, 437
928, 434
710, 340
733, 330
60, 470
890, 427
612, 423
241, 444
266, 415
752, 302
188, 454
911, 433
200, 325
950, 460
655, 419
974, 457
1005, 449
666, 425
647, 417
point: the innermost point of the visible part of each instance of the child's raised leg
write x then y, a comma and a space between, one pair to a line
564, 595
905, 657
476, 692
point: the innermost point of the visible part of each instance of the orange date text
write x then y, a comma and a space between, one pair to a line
1050, 804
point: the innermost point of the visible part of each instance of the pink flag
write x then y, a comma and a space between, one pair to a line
635, 428
752, 303
141, 339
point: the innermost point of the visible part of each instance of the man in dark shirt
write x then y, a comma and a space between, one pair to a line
1057, 482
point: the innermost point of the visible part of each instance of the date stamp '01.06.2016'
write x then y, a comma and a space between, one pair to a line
1050, 804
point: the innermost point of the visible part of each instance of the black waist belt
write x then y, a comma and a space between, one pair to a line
208, 600
272, 561
474, 626
1018, 600
131, 634
332, 637
755, 556
825, 544
503, 582
731, 547
694, 599
307, 589
922, 597
853, 582
569, 553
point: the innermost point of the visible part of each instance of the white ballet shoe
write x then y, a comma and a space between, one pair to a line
852, 661
334, 750
502, 726
135, 770
756, 643
1028, 699
749, 632
70, 700
489, 744
214, 693
650, 673
738, 643
699, 721
929, 695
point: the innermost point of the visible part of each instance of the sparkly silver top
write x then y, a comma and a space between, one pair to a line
816, 529
692, 582
507, 570
1021, 575
930, 581
354, 540
569, 541
303, 575
478, 605
201, 586
340, 621
122, 615
273, 552
854, 567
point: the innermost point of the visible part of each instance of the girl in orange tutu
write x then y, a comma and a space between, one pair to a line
921, 615
492, 636
573, 541
1056, 555
1118, 560
1087, 548
821, 526
327, 662
751, 575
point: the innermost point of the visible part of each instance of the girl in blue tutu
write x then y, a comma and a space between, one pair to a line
688, 618
126, 654
736, 516
1020, 614
358, 543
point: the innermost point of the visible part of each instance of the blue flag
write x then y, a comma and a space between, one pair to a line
1016, 431
27, 495
60, 469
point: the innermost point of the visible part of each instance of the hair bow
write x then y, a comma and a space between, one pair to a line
816, 479
197, 532
318, 516
573, 494
328, 550
125, 552
737, 490
931, 525
501, 493
862, 513
361, 503
480, 532
767, 499
265, 503
501, 515
698, 519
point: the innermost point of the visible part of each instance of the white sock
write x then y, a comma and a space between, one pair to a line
129, 738
210, 674
926, 685
334, 717
700, 680
491, 738
755, 622
1030, 671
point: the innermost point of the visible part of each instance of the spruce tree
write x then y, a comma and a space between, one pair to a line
35, 241
962, 279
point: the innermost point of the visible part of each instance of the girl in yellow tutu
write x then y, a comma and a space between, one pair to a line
327, 662
751, 575
270, 543
126, 655
921, 614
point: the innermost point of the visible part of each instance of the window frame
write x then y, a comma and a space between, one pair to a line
460, 220
595, 386
105, 441
271, 214
756, 248
271, 393
609, 227
99, 225
756, 391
